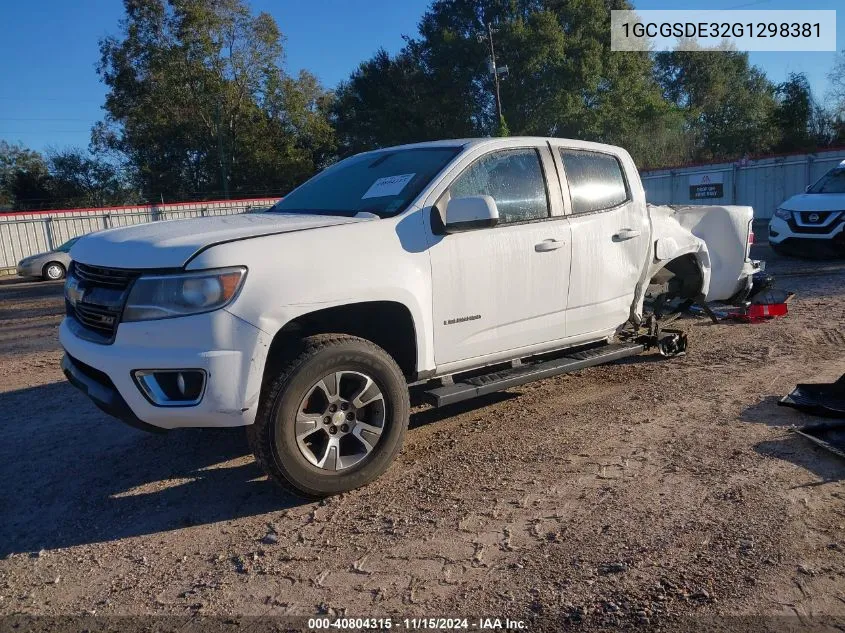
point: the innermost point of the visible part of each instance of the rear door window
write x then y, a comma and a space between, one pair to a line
595, 180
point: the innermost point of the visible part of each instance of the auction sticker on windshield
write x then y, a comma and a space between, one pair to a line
388, 186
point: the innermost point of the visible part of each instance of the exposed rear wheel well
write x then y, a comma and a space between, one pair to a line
682, 278
386, 323
685, 279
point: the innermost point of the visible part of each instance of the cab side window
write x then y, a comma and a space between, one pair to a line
595, 180
513, 178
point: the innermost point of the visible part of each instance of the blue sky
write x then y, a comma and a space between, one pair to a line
51, 94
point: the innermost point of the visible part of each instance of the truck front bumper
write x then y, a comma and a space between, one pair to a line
230, 351
102, 392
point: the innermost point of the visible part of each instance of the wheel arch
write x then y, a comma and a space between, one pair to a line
689, 269
388, 324
686, 257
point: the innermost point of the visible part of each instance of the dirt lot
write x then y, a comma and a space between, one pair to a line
609, 497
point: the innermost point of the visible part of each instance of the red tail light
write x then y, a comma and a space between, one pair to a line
750, 240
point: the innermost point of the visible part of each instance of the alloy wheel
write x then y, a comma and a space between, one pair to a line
340, 420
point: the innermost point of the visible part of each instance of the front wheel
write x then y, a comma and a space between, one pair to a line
333, 418
53, 271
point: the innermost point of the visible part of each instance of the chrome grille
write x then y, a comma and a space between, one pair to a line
817, 222
99, 276
814, 217
99, 319
102, 294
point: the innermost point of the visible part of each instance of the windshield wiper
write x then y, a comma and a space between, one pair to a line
378, 161
343, 212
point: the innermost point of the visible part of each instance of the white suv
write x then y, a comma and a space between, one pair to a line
812, 223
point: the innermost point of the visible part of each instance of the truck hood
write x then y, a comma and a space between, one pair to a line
171, 243
815, 202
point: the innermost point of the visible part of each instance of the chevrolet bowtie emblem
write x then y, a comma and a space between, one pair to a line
73, 292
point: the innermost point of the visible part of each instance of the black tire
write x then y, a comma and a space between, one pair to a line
55, 266
272, 437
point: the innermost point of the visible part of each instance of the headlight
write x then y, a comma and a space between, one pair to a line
167, 296
783, 214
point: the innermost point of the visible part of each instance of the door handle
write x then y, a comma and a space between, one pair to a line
625, 234
548, 245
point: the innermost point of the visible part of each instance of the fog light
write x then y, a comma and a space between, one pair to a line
171, 387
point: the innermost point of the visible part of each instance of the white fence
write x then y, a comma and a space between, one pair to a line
24, 234
762, 183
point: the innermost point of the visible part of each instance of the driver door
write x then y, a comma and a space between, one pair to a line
502, 289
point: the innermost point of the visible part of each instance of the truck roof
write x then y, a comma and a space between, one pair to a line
471, 142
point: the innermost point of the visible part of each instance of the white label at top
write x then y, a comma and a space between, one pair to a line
388, 186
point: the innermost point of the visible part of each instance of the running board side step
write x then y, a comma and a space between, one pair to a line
522, 374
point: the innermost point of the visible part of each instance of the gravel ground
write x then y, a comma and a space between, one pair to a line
616, 496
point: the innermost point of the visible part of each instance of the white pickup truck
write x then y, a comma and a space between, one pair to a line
468, 266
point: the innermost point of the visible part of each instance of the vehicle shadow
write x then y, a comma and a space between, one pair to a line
72, 475
793, 448
639, 359
768, 412
431, 415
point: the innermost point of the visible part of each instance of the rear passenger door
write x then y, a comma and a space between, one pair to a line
610, 234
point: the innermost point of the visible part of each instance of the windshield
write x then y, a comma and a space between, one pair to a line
384, 183
64, 248
832, 182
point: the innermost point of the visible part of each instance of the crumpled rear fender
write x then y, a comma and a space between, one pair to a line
725, 229
669, 241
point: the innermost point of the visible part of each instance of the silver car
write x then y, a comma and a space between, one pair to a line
51, 266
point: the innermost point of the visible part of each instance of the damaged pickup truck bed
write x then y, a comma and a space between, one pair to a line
468, 266
717, 239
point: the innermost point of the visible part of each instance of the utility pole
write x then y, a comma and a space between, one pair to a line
495, 71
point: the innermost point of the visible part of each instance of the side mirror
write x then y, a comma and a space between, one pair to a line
472, 212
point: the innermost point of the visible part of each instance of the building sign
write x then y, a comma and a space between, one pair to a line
703, 186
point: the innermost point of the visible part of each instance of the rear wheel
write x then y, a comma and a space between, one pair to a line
53, 271
333, 418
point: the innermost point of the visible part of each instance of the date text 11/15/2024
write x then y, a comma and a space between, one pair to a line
436, 624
